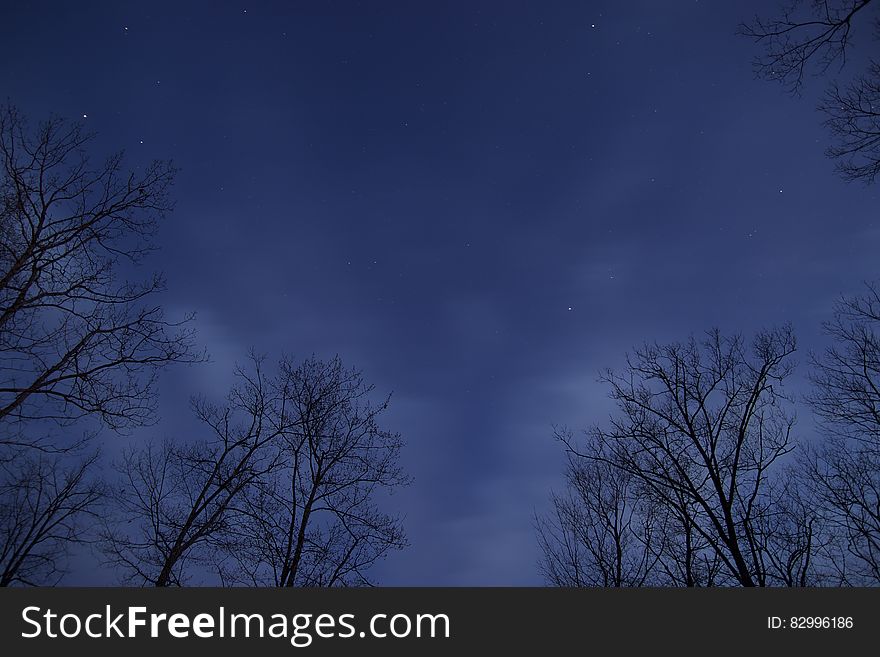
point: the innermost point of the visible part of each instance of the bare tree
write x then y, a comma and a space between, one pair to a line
853, 117
602, 532
173, 505
43, 503
818, 34
76, 338
700, 432
789, 535
845, 468
806, 32
282, 491
316, 521
612, 530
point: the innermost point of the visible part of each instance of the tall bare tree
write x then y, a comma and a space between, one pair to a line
602, 532
845, 468
76, 337
853, 117
700, 434
316, 520
172, 508
44, 502
282, 491
817, 35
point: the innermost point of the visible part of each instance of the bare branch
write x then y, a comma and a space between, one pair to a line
44, 501
75, 339
680, 488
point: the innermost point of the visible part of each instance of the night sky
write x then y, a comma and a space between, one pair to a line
479, 204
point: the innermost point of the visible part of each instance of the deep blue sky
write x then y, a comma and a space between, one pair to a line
480, 204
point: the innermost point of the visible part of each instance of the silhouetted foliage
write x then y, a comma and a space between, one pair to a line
817, 34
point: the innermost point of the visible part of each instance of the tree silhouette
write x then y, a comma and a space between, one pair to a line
315, 520
281, 491
172, 507
685, 487
43, 503
76, 338
817, 35
602, 532
844, 470
853, 117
